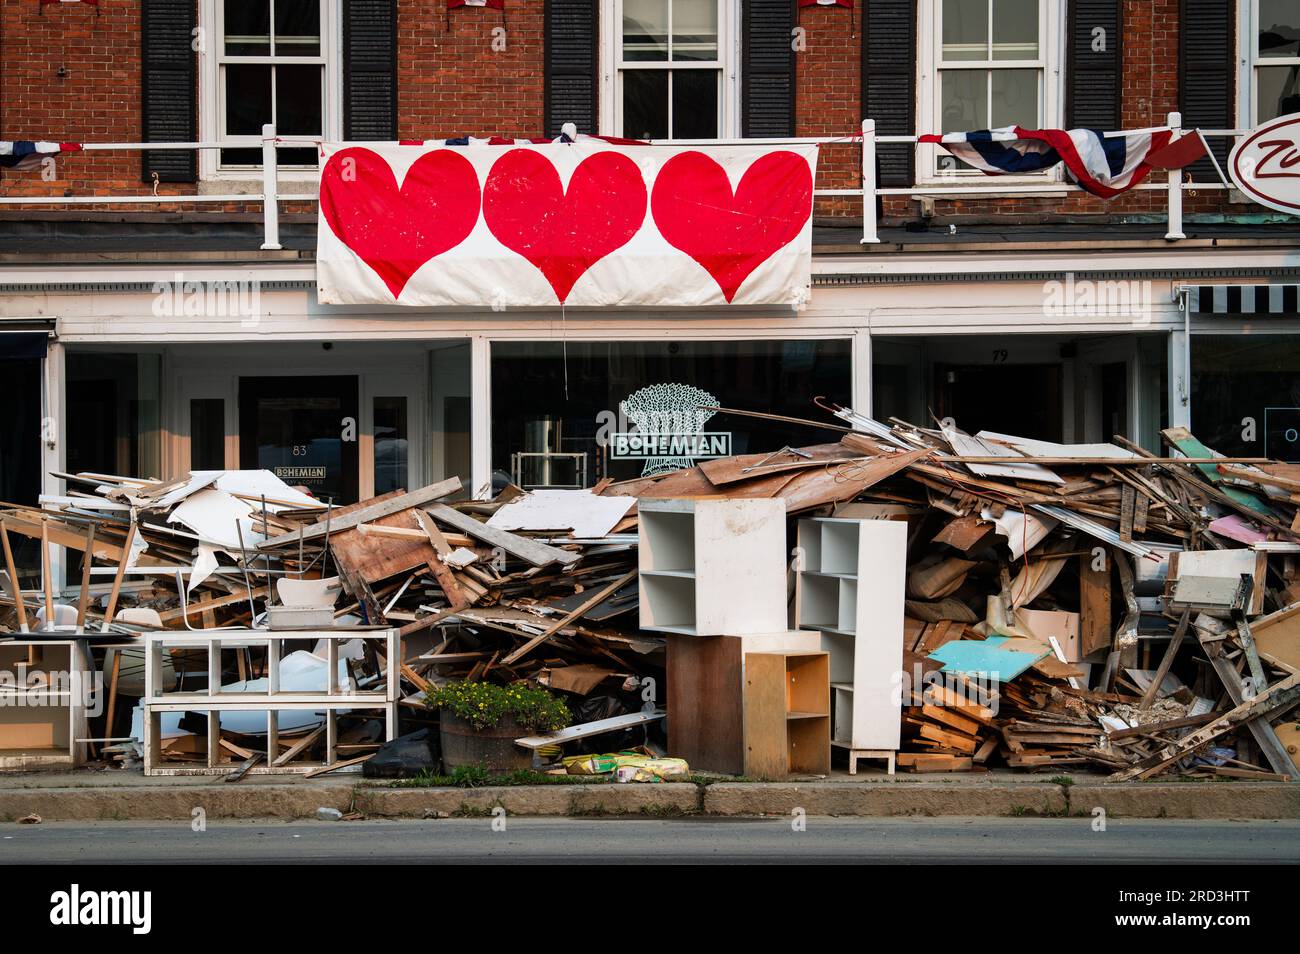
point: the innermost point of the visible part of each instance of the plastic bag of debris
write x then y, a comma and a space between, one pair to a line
406, 756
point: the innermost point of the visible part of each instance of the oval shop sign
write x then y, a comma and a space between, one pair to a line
1266, 164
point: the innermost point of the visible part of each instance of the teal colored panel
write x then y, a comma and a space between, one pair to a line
971, 656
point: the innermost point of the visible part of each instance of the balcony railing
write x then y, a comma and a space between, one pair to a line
270, 197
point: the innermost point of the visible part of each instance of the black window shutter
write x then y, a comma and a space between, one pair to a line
168, 88
1093, 79
889, 83
370, 70
1206, 37
767, 68
571, 68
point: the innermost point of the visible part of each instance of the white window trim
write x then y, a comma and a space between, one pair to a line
610, 111
1247, 60
211, 98
1051, 39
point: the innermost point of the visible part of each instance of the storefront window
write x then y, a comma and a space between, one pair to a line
624, 409
112, 414
391, 444
1238, 380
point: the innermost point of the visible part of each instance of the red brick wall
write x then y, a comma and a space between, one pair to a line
98, 100
453, 82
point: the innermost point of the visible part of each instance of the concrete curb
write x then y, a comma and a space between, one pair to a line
884, 799
665, 800
1188, 799
299, 800
125, 803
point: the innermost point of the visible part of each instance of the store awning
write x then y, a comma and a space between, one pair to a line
16, 345
1276, 300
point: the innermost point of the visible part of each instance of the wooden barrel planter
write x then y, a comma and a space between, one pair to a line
493, 748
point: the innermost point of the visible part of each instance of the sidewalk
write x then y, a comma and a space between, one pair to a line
118, 795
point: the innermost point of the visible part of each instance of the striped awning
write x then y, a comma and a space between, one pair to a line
1244, 299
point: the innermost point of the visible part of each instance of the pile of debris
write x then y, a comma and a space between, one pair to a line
1068, 605
1091, 605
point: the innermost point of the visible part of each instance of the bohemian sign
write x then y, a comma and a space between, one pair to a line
582, 223
1266, 164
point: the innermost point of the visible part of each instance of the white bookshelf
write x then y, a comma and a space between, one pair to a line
712, 567
850, 588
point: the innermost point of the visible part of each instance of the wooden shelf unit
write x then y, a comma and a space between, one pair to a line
706, 694
44, 725
712, 567
787, 714
849, 587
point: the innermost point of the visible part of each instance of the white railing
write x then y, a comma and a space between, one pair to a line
270, 196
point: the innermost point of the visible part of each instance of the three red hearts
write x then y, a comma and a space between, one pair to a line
564, 232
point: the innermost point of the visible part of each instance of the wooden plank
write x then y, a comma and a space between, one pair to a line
538, 554
83, 600
1162, 670
306, 742
11, 574
220, 602
375, 558
588, 729
62, 535
116, 591
441, 572
601, 595
367, 514
338, 765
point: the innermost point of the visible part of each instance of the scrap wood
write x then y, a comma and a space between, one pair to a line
538, 554
1280, 696
338, 765
334, 523
1236, 687
569, 617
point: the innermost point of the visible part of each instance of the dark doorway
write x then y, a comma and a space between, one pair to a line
1114, 401
304, 430
1019, 399
20, 444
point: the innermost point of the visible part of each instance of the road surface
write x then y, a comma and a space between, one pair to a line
640, 841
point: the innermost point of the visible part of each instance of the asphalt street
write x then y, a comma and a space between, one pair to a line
703, 840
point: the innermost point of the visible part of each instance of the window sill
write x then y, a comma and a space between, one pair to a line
238, 183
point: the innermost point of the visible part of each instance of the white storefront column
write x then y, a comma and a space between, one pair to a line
480, 428
862, 371
53, 449
1180, 400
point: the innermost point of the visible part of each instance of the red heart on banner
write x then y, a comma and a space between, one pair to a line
393, 230
563, 232
729, 234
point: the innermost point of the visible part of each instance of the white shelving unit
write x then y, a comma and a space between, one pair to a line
712, 567
850, 588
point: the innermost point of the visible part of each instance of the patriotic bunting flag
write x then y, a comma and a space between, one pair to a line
25, 154
494, 4
827, 3
1104, 165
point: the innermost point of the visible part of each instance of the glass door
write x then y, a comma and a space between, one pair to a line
305, 430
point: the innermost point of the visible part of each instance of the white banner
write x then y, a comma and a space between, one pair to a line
585, 223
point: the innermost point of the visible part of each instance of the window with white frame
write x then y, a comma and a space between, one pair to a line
271, 66
1274, 54
671, 73
990, 63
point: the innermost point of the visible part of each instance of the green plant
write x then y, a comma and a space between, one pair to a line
486, 705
